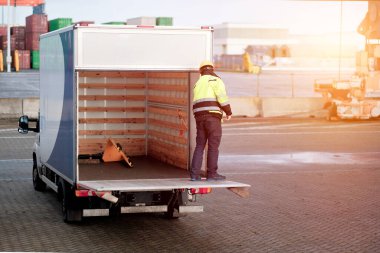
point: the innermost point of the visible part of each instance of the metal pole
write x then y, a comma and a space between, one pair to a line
292, 77
340, 37
14, 14
9, 58
258, 85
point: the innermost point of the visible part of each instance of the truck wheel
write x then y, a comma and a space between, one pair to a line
38, 184
70, 212
332, 112
173, 206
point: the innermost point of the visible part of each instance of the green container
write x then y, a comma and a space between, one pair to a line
35, 59
59, 23
115, 23
164, 21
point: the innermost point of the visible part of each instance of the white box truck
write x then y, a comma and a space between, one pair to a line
128, 85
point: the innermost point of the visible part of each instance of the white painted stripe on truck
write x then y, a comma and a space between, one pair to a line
95, 212
144, 209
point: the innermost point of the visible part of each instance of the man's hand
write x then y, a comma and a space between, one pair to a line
229, 117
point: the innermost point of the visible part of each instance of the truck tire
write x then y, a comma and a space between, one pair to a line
38, 184
174, 202
332, 112
70, 211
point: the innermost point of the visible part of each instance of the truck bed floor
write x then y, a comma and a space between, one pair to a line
143, 168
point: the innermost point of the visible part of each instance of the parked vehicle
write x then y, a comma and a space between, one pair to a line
124, 91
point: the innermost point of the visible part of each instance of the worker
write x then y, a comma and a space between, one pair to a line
209, 102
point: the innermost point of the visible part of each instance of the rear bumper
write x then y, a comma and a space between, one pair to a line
141, 209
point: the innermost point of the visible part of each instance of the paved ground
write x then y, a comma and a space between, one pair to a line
315, 188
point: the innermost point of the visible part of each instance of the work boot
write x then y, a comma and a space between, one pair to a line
216, 177
195, 178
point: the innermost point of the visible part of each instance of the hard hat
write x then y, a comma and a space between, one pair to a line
206, 63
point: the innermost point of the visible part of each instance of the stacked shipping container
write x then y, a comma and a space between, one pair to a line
18, 32
36, 25
59, 23
23, 59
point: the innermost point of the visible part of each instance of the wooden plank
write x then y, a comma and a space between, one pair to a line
111, 109
168, 112
164, 87
167, 100
131, 151
168, 137
104, 141
168, 75
163, 155
112, 132
111, 86
180, 151
112, 97
111, 120
169, 159
97, 145
167, 124
112, 74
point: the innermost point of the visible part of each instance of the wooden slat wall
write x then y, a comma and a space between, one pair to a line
168, 117
112, 105
146, 112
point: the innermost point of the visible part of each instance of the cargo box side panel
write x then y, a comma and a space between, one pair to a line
128, 48
111, 105
168, 113
57, 102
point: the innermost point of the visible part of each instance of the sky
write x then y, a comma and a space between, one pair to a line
300, 17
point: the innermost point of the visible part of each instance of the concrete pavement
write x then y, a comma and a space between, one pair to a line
295, 205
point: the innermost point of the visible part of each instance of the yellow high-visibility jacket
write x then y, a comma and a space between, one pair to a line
210, 97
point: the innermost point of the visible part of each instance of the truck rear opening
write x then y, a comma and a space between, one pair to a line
148, 114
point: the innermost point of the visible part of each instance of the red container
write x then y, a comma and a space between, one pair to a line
37, 23
20, 44
18, 32
84, 23
3, 30
4, 42
24, 59
32, 40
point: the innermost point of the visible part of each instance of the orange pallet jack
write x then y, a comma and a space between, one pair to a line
114, 153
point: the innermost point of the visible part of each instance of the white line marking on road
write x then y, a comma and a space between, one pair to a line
15, 179
292, 172
8, 130
17, 137
16, 160
302, 133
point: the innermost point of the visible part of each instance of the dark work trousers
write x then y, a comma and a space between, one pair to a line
209, 130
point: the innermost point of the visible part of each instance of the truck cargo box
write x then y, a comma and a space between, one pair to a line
125, 85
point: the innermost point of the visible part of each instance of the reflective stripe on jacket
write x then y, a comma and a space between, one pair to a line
210, 96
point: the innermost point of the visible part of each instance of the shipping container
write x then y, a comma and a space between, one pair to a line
4, 42
39, 9
18, 32
37, 23
84, 23
3, 30
115, 23
23, 59
32, 41
35, 59
149, 21
19, 45
59, 23
164, 21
